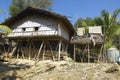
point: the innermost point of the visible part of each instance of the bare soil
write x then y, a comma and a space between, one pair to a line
23, 69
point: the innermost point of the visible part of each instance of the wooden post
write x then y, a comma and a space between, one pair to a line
88, 54
35, 51
18, 49
40, 50
4, 48
30, 50
74, 52
51, 51
66, 48
23, 56
59, 30
59, 51
44, 51
100, 54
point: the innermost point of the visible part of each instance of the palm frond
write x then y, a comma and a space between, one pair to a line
114, 16
5, 29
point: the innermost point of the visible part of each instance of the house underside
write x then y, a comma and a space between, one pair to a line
40, 47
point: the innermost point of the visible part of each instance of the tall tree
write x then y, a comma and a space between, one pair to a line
89, 21
79, 23
98, 21
84, 23
19, 5
110, 25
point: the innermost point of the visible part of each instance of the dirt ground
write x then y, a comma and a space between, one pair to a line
22, 69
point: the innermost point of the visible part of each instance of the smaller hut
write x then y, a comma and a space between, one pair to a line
87, 48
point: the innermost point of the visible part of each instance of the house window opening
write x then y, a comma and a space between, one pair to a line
23, 29
36, 28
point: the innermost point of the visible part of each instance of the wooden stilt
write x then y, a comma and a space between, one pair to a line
74, 52
66, 48
30, 50
100, 55
59, 51
51, 51
88, 54
44, 51
34, 50
18, 49
63, 47
40, 50
4, 48
23, 56
13, 50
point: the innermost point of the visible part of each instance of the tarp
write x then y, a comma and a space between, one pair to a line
113, 55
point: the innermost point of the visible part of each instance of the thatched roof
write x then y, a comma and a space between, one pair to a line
98, 39
34, 11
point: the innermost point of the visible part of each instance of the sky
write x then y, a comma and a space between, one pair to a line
73, 9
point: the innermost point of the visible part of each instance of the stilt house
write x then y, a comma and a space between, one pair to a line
40, 34
88, 47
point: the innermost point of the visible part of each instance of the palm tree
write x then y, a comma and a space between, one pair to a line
110, 25
5, 29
